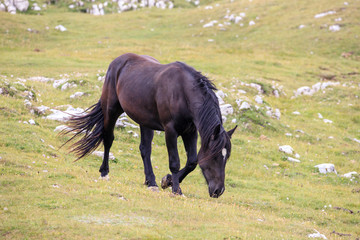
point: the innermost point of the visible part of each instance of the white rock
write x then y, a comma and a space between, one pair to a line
241, 91
32, 122
221, 94
58, 83
320, 15
320, 116
101, 154
326, 168
21, 5
317, 235
2, 7
210, 24
334, 28
259, 99
251, 23
293, 159
304, 91
234, 120
286, 149
42, 109
288, 134
134, 134
40, 79
27, 103
277, 113
63, 116
301, 26
296, 113
297, 155
356, 140
61, 28
349, 174
327, 121
62, 128
11, 9
244, 106
226, 109
77, 94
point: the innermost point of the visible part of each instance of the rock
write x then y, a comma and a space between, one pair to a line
234, 120
315, 88
226, 109
61, 28
349, 174
288, 134
320, 116
63, 116
77, 94
21, 5
42, 109
241, 91
326, 168
101, 154
259, 99
251, 23
32, 122
35, 7
27, 103
296, 113
293, 159
244, 106
304, 91
62, 128
67, 85
2, 7
58, 83
317, 235
41, 79
124, 122
286, 149
327, 121
277, 114
134, 134
334, 28
320, 15
11, 9
356, 140
210, 24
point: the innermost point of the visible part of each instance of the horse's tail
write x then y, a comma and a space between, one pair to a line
87, 130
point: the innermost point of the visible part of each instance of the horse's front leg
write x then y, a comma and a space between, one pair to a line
190, 142
174, 161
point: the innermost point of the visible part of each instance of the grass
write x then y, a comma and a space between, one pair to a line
44, 194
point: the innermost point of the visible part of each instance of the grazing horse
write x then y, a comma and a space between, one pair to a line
174, 98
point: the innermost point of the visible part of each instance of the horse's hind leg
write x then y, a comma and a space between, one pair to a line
111, 110
145, 149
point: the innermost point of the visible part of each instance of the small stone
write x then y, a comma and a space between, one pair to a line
326, 168
286, 149
32, 122
244, 106
349, 174
293, 159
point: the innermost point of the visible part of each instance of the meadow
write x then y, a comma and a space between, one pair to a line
45, 194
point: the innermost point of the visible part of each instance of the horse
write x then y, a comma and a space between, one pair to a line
174, 98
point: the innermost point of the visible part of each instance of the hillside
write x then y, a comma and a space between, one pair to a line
287, 71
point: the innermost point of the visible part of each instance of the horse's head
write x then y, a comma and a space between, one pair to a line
213, 158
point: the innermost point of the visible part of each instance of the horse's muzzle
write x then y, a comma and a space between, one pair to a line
217, 193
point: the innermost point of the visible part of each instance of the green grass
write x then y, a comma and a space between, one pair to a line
44, 194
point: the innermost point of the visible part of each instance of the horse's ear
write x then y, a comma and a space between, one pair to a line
216, 133
230, 133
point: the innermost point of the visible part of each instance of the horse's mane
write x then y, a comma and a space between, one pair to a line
208, 113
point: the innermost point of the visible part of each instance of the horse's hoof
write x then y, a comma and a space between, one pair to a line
105, 178
154, 189
166, 181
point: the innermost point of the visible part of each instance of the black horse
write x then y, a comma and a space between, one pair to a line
174, 98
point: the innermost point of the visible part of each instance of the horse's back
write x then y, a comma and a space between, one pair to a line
153, 94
